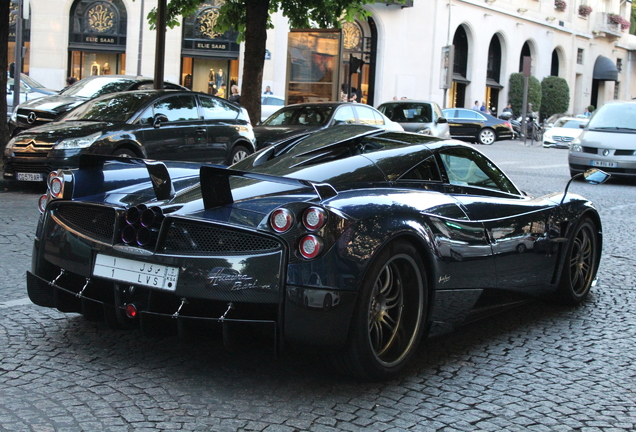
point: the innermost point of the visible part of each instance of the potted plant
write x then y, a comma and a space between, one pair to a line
560, 5
585, 10
619, 20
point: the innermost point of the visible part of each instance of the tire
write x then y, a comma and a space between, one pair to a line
537, 135
238, 153
390, 315
486, 136
124, 152
521, 248
581, 264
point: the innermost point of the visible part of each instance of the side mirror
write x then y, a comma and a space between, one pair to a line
591, 176
158, 119
442, 120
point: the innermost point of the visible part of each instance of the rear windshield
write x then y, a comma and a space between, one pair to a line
92, 88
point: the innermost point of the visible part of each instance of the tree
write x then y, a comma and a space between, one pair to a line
555, 96
251, 19
515, 92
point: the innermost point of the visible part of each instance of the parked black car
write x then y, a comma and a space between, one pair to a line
476, 126
299, 119
355, 240
49, 108
155, 124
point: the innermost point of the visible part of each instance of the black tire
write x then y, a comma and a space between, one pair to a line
124, 152
390, 315
581, 264
486, 136
521, 248
238, 153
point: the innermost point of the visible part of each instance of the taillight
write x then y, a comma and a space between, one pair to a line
310, 246
508, 125
56, 184
281, 220
42, 202
314, 218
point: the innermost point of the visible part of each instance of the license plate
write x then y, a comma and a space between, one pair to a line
136, 272
604, 164
34, 177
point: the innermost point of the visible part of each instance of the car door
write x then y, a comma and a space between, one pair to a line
517, 226
173, 129
344, 114
222, 125
465, 123
366, 116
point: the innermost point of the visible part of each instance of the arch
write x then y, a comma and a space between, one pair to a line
493, 73
461, 42
529, 49
558, 62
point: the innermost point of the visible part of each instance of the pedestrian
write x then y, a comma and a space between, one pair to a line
508, 109
268, 91
235, 96
476, 106
483, 108
588, 111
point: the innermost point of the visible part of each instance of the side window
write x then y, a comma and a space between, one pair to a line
177, 108
466, 167
366, 116
426, 171
379, 120
345, 114
214, 109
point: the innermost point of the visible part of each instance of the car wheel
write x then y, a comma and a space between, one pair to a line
486, 136
581, 262
390, 315
521, 248
124, 152
238, 153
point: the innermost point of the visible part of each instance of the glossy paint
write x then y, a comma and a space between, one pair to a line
215, 229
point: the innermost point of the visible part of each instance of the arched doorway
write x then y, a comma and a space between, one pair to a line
457, 94
604, 70
359, 43
97, 38
493, 75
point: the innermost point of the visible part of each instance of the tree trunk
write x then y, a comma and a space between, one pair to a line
4, 42
256, 12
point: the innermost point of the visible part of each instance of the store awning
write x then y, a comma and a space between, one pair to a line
605, 69
492, 83
460, 78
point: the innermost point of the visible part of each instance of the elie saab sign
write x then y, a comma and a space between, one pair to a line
98, 23
202, 37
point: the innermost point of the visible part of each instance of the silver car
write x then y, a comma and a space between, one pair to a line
607, 142
423, 117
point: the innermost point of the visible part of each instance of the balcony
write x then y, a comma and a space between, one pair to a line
602, 27
407, 3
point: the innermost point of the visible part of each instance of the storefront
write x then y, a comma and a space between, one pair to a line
97, 38
209, 59
26, 38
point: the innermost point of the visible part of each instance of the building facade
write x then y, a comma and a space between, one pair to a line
401, 50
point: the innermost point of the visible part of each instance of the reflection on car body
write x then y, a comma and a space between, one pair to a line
355, 240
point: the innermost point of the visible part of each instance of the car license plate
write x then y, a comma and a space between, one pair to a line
136, 272
34, 177
604, 164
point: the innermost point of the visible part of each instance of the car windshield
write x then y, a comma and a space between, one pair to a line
30, 81
568, 123
115, 108
91, 88
614, 116
408, 112
304, 115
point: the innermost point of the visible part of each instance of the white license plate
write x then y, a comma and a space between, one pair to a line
136, 272
604, 164
34, 177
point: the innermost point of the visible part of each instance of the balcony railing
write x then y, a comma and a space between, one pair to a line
604, 27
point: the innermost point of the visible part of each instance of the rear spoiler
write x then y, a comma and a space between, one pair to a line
216, 190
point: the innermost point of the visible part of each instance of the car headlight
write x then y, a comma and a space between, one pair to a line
575, 146
10, 144
425, 131
14, 115
76, 143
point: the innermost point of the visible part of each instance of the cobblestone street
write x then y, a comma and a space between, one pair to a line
538, 367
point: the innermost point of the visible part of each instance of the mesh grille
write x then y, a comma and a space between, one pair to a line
192, 238
96, 222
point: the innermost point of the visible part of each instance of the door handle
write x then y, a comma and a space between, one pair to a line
201, 131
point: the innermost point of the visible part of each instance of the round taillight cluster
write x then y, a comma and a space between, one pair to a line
55, 183
312, 219
281, 220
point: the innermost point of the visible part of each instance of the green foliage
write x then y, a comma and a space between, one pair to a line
555, 96
515, 92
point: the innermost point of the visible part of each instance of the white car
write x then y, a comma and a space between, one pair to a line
29, 89
270, 104
563, 132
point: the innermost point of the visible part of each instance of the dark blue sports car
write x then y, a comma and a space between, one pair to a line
353, 239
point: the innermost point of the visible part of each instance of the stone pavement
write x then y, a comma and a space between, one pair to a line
539, 367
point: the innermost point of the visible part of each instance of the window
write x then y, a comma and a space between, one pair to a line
579, 56
367, 116
466, 167
426, 171
177, 108
345, 114
215, 109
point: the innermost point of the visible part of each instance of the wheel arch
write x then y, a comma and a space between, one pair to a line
130, 145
